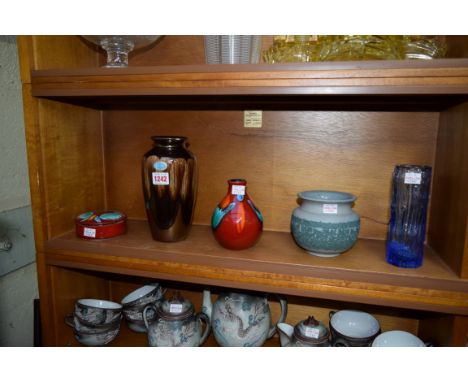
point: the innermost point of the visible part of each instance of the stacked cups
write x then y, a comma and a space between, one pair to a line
95, 322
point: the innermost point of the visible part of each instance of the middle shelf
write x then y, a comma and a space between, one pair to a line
275, 264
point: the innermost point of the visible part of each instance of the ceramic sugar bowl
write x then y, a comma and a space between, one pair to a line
306, 333
176, 323
325, 224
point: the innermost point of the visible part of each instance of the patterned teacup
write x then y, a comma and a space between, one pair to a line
97, 312
134, 303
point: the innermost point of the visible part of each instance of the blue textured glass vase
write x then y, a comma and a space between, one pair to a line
410, 196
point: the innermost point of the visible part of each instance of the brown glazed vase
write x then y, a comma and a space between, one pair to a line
169, 188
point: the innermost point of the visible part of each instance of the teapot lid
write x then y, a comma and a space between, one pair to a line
175, 308
311, 331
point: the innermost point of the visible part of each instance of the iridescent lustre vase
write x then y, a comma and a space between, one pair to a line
169, 175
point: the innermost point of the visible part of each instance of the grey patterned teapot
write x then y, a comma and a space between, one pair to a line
306, 333
176, 323
240, 319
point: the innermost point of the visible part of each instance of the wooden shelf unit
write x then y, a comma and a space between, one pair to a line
340, 125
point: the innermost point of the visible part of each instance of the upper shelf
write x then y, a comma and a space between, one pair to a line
414, 82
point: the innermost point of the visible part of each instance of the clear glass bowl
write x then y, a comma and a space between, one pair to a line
118, 47
423, 47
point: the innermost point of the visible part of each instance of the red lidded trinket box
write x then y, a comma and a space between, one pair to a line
100, 225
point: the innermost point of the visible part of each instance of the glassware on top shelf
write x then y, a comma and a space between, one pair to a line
360, 47
232, 49
300, 48
118, 47
410, 197
423, 47
309, 48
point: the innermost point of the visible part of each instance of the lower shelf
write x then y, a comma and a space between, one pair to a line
71, 285
275, 264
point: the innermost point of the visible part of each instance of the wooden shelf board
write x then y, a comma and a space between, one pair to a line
275, 264
445, 76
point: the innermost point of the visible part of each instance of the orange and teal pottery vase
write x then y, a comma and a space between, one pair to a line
236, 222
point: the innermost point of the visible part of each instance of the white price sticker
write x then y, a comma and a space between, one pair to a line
238, 190
89, 232
413, 178
175, 308
160, 178
330, 208
312, 332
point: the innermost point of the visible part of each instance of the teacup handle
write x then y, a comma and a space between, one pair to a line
148, 307
282, 317
340, 343
203, 317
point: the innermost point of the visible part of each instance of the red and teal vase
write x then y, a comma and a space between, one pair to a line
236, 222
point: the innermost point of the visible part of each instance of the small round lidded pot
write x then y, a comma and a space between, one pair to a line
325, 224
100, 225
306, 333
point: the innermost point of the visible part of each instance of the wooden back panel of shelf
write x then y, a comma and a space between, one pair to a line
292, 152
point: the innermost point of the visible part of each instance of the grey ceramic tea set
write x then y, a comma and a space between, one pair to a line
237, 319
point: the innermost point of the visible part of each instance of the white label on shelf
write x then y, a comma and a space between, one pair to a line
175, 308
238, 190
330, 208
160, 178
413, 178
89, 232
312, 332
253, 118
